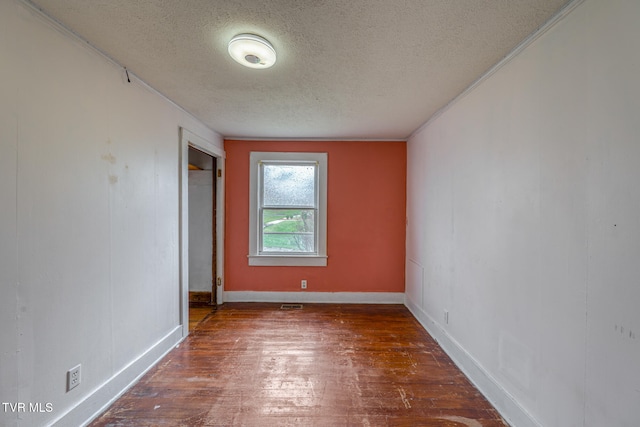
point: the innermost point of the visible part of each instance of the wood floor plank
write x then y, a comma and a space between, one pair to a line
322, 365
197, 314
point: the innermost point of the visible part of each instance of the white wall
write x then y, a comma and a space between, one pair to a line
200, 230
89, 220
524, 223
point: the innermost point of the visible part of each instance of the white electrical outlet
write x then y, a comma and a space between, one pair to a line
73, 378
303, 284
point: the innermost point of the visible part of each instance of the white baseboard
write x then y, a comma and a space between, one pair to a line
103, 396
319, 297
502, 400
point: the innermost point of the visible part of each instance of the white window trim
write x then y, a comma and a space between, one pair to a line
316, 260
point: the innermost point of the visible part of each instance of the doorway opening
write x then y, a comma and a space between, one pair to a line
202, 235
201, 228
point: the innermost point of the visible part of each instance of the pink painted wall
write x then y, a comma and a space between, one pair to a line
366, 219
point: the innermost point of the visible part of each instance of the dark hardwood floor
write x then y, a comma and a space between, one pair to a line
322, 365
197, 314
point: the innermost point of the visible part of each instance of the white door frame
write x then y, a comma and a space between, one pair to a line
188, 139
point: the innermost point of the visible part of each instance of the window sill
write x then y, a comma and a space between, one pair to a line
288, 260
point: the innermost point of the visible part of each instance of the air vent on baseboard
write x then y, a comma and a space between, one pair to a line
291, 307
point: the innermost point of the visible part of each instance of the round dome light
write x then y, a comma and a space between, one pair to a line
252, 51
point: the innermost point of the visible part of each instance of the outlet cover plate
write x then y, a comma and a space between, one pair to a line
73, 377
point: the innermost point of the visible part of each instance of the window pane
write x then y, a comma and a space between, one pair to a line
288, 230
288, 185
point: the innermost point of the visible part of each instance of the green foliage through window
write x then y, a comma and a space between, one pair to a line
288, 230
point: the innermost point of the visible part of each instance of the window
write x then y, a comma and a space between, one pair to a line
288, 209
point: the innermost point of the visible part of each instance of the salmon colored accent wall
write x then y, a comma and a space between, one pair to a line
366, 219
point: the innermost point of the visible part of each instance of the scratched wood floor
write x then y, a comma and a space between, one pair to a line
322, 365
198, 314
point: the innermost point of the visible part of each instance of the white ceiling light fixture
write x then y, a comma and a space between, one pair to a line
252, 51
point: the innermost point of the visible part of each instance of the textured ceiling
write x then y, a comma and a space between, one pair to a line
346, 69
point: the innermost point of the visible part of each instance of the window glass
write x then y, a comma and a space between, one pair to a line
289, 185
288, 230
